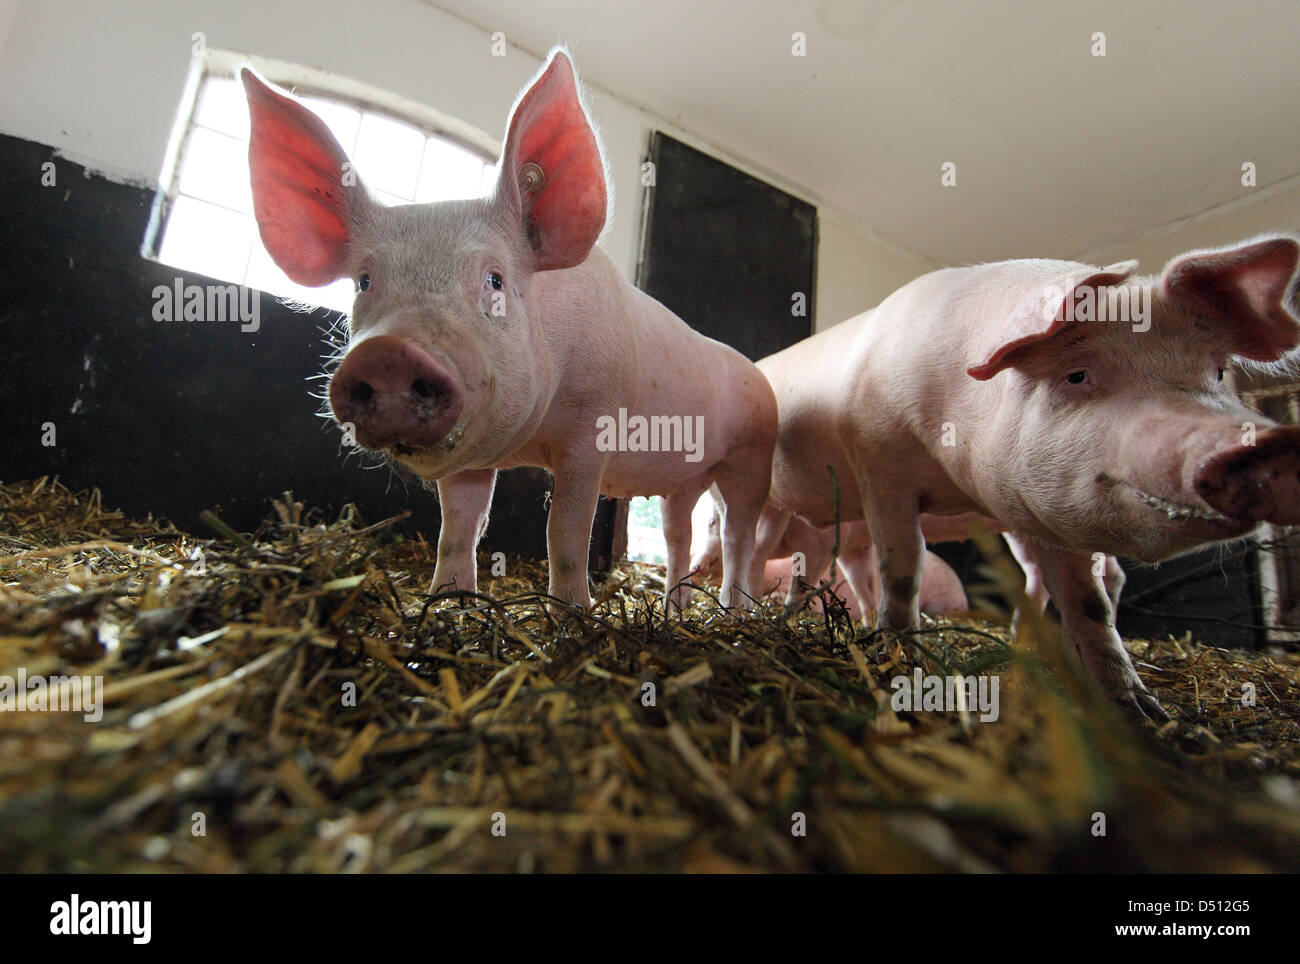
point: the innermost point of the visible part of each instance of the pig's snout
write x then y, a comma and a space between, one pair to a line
1255, 483
395, 395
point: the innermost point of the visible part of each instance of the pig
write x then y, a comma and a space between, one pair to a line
981, 389
491, 333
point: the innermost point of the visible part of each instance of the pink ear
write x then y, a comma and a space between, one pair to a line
552, 171
299, 199
1039, 317
1248, 287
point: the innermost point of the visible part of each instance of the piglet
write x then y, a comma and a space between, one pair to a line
492, 333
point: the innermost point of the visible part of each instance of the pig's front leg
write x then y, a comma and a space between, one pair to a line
676, 511
568, 528
1089, 624
896, 537
465, 499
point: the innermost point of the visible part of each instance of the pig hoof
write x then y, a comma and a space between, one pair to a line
1120, 680
733, 597
1141, 703
677, 599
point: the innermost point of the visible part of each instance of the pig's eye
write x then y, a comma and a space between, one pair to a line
363, 283
1077, 378
494, 281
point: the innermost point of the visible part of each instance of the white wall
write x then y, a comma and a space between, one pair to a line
8, 10
1270, 210
102, 81
857, 271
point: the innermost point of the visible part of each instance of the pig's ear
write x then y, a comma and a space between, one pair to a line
1038, 317
552, 176
1251, 287
305, 194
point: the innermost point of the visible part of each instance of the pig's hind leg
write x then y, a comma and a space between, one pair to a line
817, 562
1115, 579
772, 526
858, 563
1088, 620
676, 511
743, 481
1022, 550
464, 499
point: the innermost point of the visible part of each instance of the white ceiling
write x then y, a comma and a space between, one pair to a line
1058, 152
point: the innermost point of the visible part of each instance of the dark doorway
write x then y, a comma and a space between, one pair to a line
731, 255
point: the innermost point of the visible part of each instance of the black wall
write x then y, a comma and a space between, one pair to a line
177, 417
1211, 593
726, 251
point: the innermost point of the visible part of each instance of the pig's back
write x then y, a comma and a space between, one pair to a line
619, 348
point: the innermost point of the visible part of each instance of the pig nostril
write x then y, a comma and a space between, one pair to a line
424, 388
362, 392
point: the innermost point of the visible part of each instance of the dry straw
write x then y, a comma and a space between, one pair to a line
300, 697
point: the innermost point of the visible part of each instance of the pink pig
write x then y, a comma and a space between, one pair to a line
968, 390
491, 333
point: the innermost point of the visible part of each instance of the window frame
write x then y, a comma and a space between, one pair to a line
221, 64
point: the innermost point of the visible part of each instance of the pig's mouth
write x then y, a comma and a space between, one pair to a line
1186, 513
1179, 511
444, 445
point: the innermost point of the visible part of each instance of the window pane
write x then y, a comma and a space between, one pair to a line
383, 197
449, 172
216, 170
223, 108
207, 239
388, 155
210, 229
341, 120
645, 534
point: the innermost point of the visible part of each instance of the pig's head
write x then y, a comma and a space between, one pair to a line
446, 367
1124, 436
